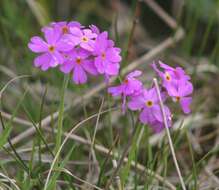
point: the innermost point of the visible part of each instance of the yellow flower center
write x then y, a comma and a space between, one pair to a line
84, 39
149, 103
167, 76
51, 49
64, 29
78, 60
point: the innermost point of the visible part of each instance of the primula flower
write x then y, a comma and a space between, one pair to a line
180, 93
64, 26
129, 87
177, 84
85, 38
151, 113
78, 63
107, 57
170, 75
65, 41
51, 49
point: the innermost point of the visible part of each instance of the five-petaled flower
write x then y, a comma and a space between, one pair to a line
50, 50
129, 87
107, 56
148, 103
177, 84
77, 63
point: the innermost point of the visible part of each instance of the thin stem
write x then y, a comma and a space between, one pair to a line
168, 134
61, 113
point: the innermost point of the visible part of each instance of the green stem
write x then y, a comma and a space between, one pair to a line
61, 113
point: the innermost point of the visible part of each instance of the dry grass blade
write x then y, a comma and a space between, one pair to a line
10, 81
161, 13
79, 179
38, 11
9, 180
106, 152
168, 134
65, 140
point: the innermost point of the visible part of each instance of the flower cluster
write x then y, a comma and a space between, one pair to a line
77, 50
81, 51
176, 84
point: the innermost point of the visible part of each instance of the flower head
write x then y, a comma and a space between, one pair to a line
180, 93
64, 26
77, 49
151, 114
107, 57
170, 75
129, 87
177, 84
78, 63
50, 50
85, 38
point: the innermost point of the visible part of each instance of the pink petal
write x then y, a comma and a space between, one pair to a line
50, 35
165, 66
79, 75
99, 65
37, 45
67, 67
64, 44
113, 56
76, 31
89, 67
58, 57
135, 73
185, 88
43, 61
112, 69
89, 33
185, 104
89, 46
145, 116
136, 103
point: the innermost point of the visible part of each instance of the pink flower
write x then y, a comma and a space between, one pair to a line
78, 63
64, 26
51, 49
170, 75
177, 84
180, 93
151, 114
129, 87
84, 38
107, 57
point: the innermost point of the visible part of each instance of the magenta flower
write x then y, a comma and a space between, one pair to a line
151, 114
64, 26
51, 49
84, 38
180, 94
177, 84
170, 75
107, 57
78, 63
129, 87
